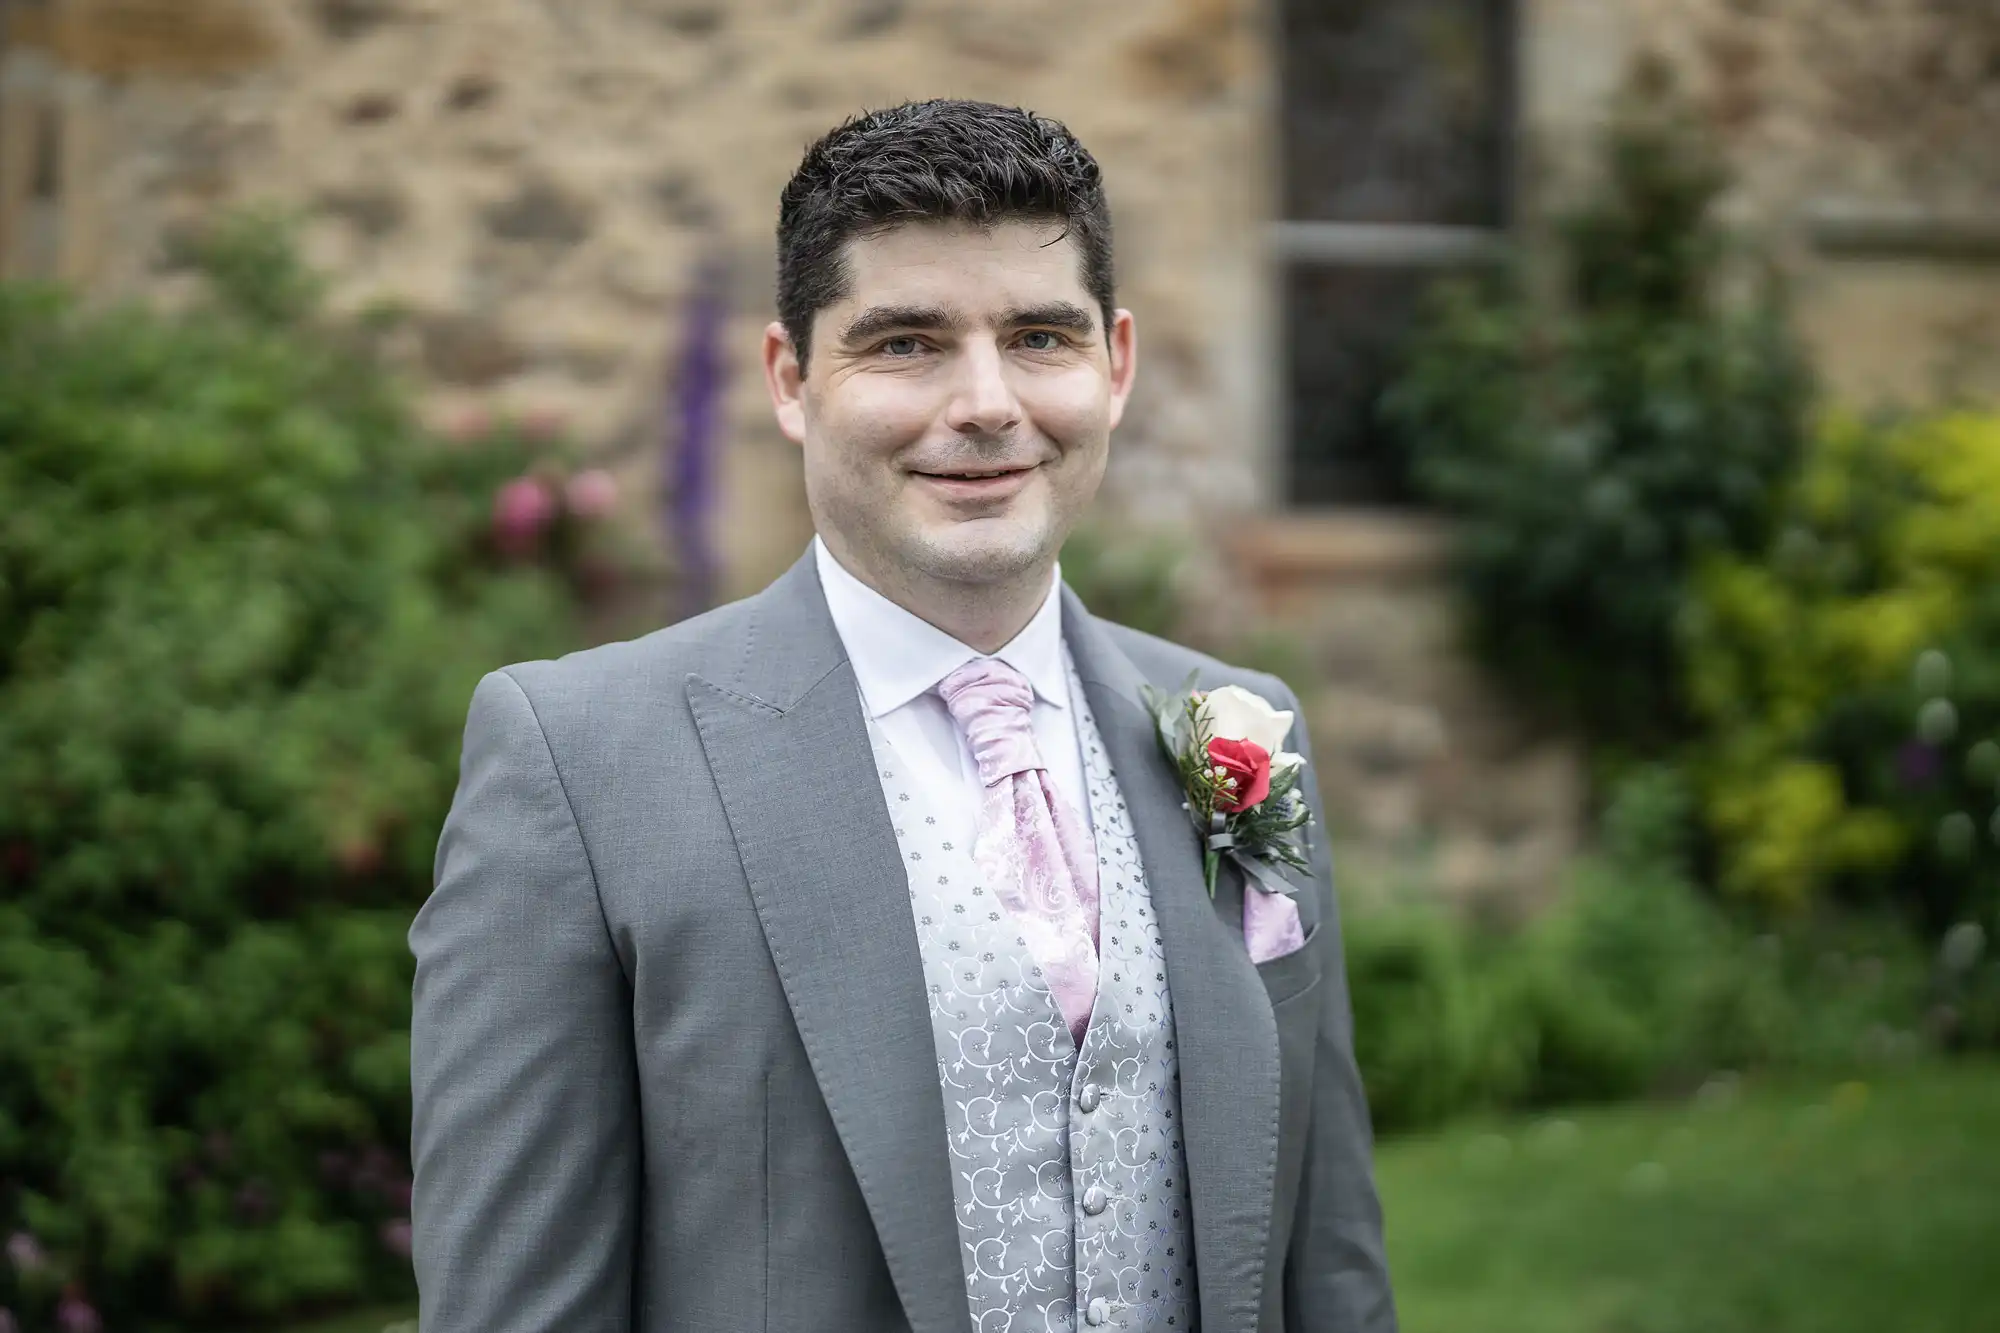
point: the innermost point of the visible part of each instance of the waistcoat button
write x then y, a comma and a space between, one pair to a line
1098, 1313
1094, 1201
1086, 1100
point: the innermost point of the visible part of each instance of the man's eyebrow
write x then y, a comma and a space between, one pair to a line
880, 319
1054, 315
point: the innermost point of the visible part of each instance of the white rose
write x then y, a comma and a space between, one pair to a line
1233, 713
1284, 761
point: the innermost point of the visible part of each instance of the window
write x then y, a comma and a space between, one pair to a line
1396, 158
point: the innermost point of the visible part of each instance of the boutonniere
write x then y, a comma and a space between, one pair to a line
1242, 790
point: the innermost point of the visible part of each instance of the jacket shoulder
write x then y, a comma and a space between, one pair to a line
647, 668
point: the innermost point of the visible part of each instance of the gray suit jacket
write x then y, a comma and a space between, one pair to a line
671, 1055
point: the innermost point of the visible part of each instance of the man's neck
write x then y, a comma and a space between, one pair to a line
982, 616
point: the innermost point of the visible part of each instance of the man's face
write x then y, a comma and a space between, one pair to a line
957, 410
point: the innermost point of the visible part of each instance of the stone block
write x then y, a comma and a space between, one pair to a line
687, 18
541, 214
176, 38
471, 91
1195, 55
374, 210
870, 18
468, 351
680, 199
371, 108
344, 19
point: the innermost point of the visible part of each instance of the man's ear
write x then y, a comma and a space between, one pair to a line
1123, 339
786, 379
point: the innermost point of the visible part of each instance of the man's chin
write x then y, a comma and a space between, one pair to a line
984, 550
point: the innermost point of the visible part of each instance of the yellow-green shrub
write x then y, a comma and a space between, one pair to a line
1811, 670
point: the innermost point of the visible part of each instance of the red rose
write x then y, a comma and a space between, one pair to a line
1247, 765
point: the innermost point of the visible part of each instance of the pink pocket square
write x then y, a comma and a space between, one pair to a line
1271, 926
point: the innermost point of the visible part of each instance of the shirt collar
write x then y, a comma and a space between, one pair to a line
899, 656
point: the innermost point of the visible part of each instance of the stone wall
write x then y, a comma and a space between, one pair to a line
1864, 136
536, 181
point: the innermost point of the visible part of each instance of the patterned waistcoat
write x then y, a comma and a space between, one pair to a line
1067, 1170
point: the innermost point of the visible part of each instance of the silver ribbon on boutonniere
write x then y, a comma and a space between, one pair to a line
1266, 877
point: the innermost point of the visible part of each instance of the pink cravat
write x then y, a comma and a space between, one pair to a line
1031, 848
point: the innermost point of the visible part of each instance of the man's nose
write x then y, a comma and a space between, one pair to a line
983, 401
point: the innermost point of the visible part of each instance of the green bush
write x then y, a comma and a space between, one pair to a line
1634, 983
1595, 441
243, 602
1130, 578
1428, 1033
1848, 679
1608, 982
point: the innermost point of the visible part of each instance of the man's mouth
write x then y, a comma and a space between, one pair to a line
978, 486
970, 475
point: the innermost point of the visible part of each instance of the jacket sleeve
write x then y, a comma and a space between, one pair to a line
1337, 1273
524, 1130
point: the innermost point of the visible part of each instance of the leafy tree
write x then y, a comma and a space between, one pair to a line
1595, 442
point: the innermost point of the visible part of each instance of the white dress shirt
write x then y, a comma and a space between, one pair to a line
898, 661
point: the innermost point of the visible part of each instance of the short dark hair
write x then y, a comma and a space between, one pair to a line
942, 160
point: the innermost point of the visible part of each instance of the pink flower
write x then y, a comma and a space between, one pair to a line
396, 1237
76, 1316
592, 493
25, 1252
7, 1323
521, 510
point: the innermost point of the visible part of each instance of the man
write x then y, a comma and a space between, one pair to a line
841, 959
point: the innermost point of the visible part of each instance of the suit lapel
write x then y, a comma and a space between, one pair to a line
790, 754
1226, 1036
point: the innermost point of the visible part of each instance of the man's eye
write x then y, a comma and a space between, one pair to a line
902, 346
1040, 340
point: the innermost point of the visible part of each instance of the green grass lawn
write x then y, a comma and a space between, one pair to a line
1861, 1208
1818, 1209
